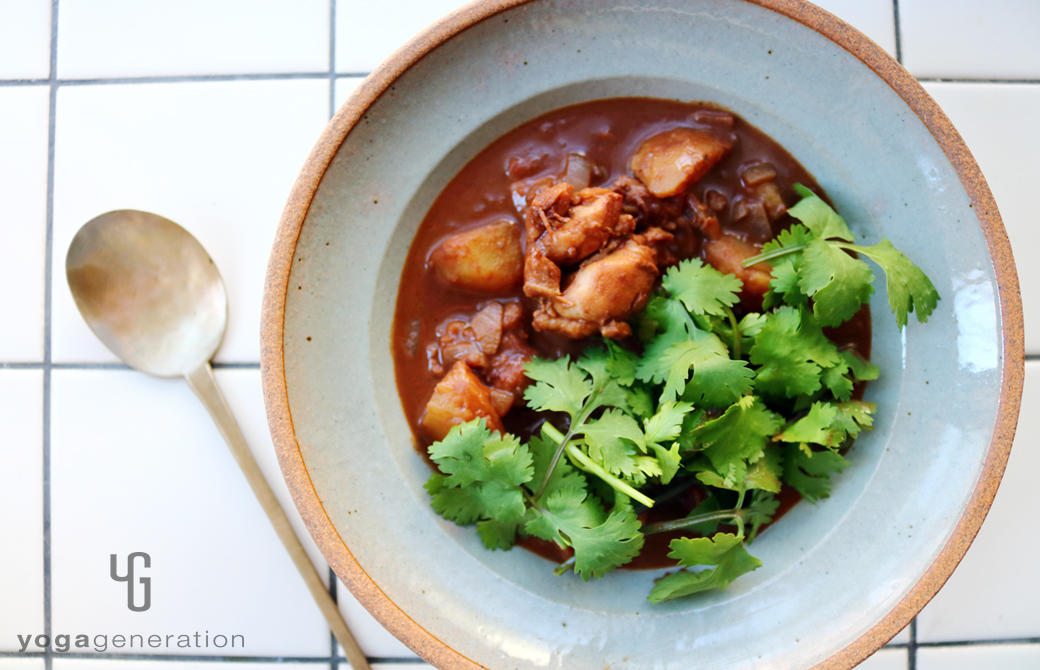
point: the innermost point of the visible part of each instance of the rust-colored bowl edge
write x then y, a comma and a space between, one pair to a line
272, 364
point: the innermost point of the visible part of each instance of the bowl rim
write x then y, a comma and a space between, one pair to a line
272, 362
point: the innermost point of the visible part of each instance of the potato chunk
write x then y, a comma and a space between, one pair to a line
485, 259
727, 253
669, 162
458, 398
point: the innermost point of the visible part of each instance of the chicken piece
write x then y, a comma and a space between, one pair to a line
486, 259
603, 293
669, 162
648, 209
505, 370
458, 398
726, 254
592, 219
547, 209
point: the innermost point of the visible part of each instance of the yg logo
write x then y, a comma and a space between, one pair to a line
129, 579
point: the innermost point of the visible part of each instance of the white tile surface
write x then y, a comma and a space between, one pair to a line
368, 32
998, 123
874, 19
995, 39
994, 592
21, 664
885, 659
982, 657
219, 158
23, 218
96, 664
25, 39
137, 466
370, 634
344, 87
21, 505
127, 38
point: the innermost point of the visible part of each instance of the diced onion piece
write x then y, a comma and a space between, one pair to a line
758, 173
458, 398
486, 259
579, 171
715, 201
769, 195
487, 325
753, 220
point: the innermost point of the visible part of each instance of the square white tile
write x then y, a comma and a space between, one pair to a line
368, 32
375, 640
998, 123
23, 218
981, 657
21, 664
874, 18
126, 38
25, 39
344, 87
21, 506
995, 590
885, 659
955, 39
219, 158
418, 665
137, 466
100, 664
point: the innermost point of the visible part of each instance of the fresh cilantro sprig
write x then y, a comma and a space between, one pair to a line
816, 265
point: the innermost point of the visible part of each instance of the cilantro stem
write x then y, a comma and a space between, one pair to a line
594, 468
564, 567
691, 521
770, 255
562, 440
586, 464
736, 333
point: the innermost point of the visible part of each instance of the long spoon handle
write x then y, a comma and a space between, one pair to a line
205, 387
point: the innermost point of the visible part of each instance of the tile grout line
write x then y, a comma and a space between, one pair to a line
911, 646
333, 656
48, 292
898, 31
332, 58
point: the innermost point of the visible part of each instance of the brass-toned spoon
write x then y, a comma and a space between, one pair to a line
153, 295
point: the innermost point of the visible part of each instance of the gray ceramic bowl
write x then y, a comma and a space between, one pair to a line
840, 578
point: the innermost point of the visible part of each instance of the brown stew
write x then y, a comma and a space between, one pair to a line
477, 290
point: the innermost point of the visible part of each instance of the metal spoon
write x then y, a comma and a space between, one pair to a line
153, 295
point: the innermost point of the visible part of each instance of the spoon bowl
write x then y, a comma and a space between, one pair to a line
148, 290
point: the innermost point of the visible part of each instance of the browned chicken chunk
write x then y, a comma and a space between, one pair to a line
486, 259
458, 398
603, 293
669, 162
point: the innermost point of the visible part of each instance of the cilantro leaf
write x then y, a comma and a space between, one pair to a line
702, 288
561, 386
830, 424
564, 475
610, 439
571, 518
818, 217
725, 552
791, 351
837, 282
741, 433
808, 472
473, 453
717, 379
909, 288
764, 474
761, 511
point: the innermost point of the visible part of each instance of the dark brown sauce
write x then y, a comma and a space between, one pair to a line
608, 132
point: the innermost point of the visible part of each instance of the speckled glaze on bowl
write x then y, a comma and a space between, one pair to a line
839, 579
